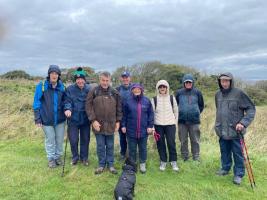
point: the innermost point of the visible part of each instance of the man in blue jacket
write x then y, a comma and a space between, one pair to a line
191, 104
49, 114
78, 124
124, 90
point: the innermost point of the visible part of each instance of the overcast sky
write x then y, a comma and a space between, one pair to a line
209, 35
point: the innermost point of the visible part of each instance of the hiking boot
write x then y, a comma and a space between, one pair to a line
99, 170
85, 162
113, 170
174, 166
52, 164
197, 159
222, 172
162, 166
237, 180
58, 161
74, 162
185, 159
143, 168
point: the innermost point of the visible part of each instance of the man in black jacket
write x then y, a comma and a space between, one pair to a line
235, 111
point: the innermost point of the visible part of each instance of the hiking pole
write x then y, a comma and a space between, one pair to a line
66, 144
247, 161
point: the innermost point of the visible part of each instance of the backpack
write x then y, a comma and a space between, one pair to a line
155, 101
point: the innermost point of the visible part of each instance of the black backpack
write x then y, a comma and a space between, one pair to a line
155, 101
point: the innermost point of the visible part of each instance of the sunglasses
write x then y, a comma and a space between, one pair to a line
162, 86
187, 82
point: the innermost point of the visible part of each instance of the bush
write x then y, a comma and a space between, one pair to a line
16, 74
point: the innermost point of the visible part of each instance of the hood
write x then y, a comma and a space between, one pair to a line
188, 77
137, 85
162, 82
228, 74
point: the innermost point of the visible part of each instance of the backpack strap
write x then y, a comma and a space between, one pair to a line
155, 102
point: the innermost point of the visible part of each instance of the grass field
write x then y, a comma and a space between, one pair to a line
24, 173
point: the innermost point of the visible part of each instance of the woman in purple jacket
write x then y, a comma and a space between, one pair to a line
137, 122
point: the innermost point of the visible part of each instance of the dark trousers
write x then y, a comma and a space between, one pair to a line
166, 133
105, 149
228, 149
84, 132
194, 134
142, 148
123, 143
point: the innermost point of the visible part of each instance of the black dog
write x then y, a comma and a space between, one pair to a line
125, 186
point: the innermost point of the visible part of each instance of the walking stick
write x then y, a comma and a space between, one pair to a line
66, 144
247, 161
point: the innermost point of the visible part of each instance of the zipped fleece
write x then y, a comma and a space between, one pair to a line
233, 107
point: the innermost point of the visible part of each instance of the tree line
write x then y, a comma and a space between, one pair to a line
149, 73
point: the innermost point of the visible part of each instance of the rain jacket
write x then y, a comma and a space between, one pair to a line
75, 102
190, 103
138, 115
48, 104
233, 107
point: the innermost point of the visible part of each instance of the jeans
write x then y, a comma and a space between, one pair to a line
105, 149
54, 139
142, 148
167, 132
229, 148
84, 132
194, 134
123, 143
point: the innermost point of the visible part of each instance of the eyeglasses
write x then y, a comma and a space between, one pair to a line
162, 86
187, 82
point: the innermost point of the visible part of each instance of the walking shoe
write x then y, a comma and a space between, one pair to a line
174, 166
143, 168
162, 166
85, 162
52, 164
99, 170
185, 159
58, 161
74, 162
113, 170
237, 180
222, 172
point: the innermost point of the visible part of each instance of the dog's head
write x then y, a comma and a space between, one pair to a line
130, 165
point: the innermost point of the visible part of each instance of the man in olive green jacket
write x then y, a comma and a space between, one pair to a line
235, 111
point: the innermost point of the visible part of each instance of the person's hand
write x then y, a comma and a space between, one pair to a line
123, 129
117, 126
68, 113
39, 125
149, 131
239, 127
96, 125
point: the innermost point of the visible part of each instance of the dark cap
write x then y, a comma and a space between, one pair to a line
125, 73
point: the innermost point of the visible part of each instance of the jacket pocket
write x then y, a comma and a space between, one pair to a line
218, 129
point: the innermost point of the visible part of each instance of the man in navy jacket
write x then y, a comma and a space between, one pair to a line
78, 124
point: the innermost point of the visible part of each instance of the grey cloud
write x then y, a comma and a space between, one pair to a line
209, 35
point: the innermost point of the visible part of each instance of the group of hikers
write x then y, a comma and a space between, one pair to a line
127, 110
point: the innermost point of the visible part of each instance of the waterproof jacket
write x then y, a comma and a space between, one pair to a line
138, 115
165, 113
104, 105
125, 92
75, 102
233, 107
48, 104
190, 103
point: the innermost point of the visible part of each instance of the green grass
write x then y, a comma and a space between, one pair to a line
24, 173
